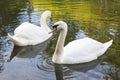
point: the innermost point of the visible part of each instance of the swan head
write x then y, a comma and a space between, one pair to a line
60, 25
47, 14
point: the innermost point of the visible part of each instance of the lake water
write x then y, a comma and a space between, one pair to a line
98, 19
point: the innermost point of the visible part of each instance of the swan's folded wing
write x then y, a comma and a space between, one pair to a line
31, 31
83, 50
30, 34
26, 27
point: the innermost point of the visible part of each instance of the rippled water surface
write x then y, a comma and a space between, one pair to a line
98, 19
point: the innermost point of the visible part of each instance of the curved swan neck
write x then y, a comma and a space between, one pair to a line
43, 20
61, 40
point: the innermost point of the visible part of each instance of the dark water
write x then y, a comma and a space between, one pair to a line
98, 19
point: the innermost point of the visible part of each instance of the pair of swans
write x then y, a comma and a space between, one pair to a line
77, 51
30, 34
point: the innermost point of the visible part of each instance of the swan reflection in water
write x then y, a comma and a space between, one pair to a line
76, 71
44, 63
67, 71
28, 51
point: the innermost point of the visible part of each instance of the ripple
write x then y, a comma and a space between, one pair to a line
45, 63
6, 46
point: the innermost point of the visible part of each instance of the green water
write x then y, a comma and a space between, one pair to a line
97, 19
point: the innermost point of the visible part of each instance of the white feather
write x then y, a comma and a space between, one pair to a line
30, 34
78, 51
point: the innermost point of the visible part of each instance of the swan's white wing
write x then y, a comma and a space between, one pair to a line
30, 34
23, 27
29, 31
82, 50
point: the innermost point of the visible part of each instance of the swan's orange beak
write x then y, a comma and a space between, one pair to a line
52, 30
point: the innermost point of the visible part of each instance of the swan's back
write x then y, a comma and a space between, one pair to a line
83, 50
29, 34
30, 30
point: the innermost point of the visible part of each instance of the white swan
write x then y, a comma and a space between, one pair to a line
30, 34
77, 51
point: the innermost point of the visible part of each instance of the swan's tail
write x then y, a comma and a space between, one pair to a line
18, 41
11, 38
108, 44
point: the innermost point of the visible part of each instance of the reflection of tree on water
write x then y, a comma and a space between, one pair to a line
29, 10
10, 12
110, 71
1, 63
